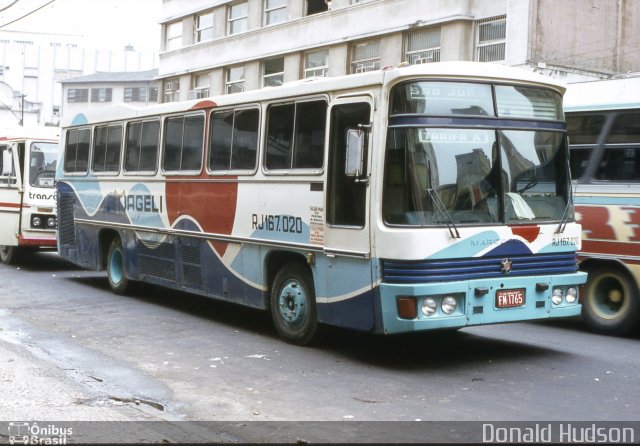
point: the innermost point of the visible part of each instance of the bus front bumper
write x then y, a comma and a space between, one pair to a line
418, 307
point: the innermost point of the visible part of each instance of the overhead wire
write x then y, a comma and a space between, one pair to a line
9, 5
27, 14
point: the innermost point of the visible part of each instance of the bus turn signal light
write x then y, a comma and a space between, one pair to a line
407, 308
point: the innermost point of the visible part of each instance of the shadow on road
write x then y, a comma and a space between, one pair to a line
44, 261
426, 350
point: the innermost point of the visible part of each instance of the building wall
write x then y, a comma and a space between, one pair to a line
598, 35
335, 30
33, 64
70, 109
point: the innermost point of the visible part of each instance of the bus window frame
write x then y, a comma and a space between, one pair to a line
259, 146
263, 145
79, 128
163, 138
92, 148
154, 172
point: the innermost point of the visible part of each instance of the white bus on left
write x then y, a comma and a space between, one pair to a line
28, 157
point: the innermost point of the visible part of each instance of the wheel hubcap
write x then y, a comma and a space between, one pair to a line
293, 303
115, 266
609, 298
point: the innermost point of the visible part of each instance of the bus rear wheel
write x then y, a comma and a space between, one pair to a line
116, 272
293, 304
610, 305
9, 254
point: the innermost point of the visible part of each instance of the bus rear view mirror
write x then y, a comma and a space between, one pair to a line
355, 153
7, 163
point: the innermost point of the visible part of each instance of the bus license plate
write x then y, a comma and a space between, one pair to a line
510, 298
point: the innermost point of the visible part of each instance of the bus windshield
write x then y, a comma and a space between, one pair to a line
42, 164
433, 175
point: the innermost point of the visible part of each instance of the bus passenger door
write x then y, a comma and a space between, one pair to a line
10, 195
346, 230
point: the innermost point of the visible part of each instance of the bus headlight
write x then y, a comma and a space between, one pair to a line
51, 222
449, 305
429, 306
556, 296
36, 221
572, 295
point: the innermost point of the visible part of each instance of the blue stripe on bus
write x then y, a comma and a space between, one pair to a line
629, 201
79, 119
430, 271
501, 123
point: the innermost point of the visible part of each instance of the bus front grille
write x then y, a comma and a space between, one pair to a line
66, 225
449, 270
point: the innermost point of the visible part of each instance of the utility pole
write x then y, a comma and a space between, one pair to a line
22, 95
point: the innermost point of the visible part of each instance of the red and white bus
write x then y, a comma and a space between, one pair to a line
426, 197
603, 122
28, 157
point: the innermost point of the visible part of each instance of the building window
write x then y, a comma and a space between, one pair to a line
423, 46
200, 84
275, 11
235, 80
316, 64
135, 94
317, 6
490, 39
273, 72
153, 94
238, 18
365, 56
172, 90
78, 95
173, 38
101, 94
203, 27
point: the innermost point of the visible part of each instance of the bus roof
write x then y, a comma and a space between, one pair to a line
304, 87
29, 132
612, 94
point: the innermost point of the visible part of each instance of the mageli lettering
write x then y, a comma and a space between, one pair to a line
143, 203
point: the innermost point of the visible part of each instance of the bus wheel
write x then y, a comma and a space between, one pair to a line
8, 254
116, 268
293, 304
610, 304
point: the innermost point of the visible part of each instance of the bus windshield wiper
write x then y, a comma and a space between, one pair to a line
453, 230
565, 215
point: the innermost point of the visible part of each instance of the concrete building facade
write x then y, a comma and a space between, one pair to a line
32, 65
104, 89
211, 47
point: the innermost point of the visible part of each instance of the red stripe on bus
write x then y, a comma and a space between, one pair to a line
612, 248
33, 241
212, 205
12, 205
529, 233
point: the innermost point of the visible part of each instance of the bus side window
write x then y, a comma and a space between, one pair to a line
346, 199
620, 164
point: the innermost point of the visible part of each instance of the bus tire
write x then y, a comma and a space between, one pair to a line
293, 304
9, 254
116, 272
610, 304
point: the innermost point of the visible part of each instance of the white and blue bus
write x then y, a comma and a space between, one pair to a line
603, 123
418, 198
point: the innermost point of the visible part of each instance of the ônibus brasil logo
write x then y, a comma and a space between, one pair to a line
31, 433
